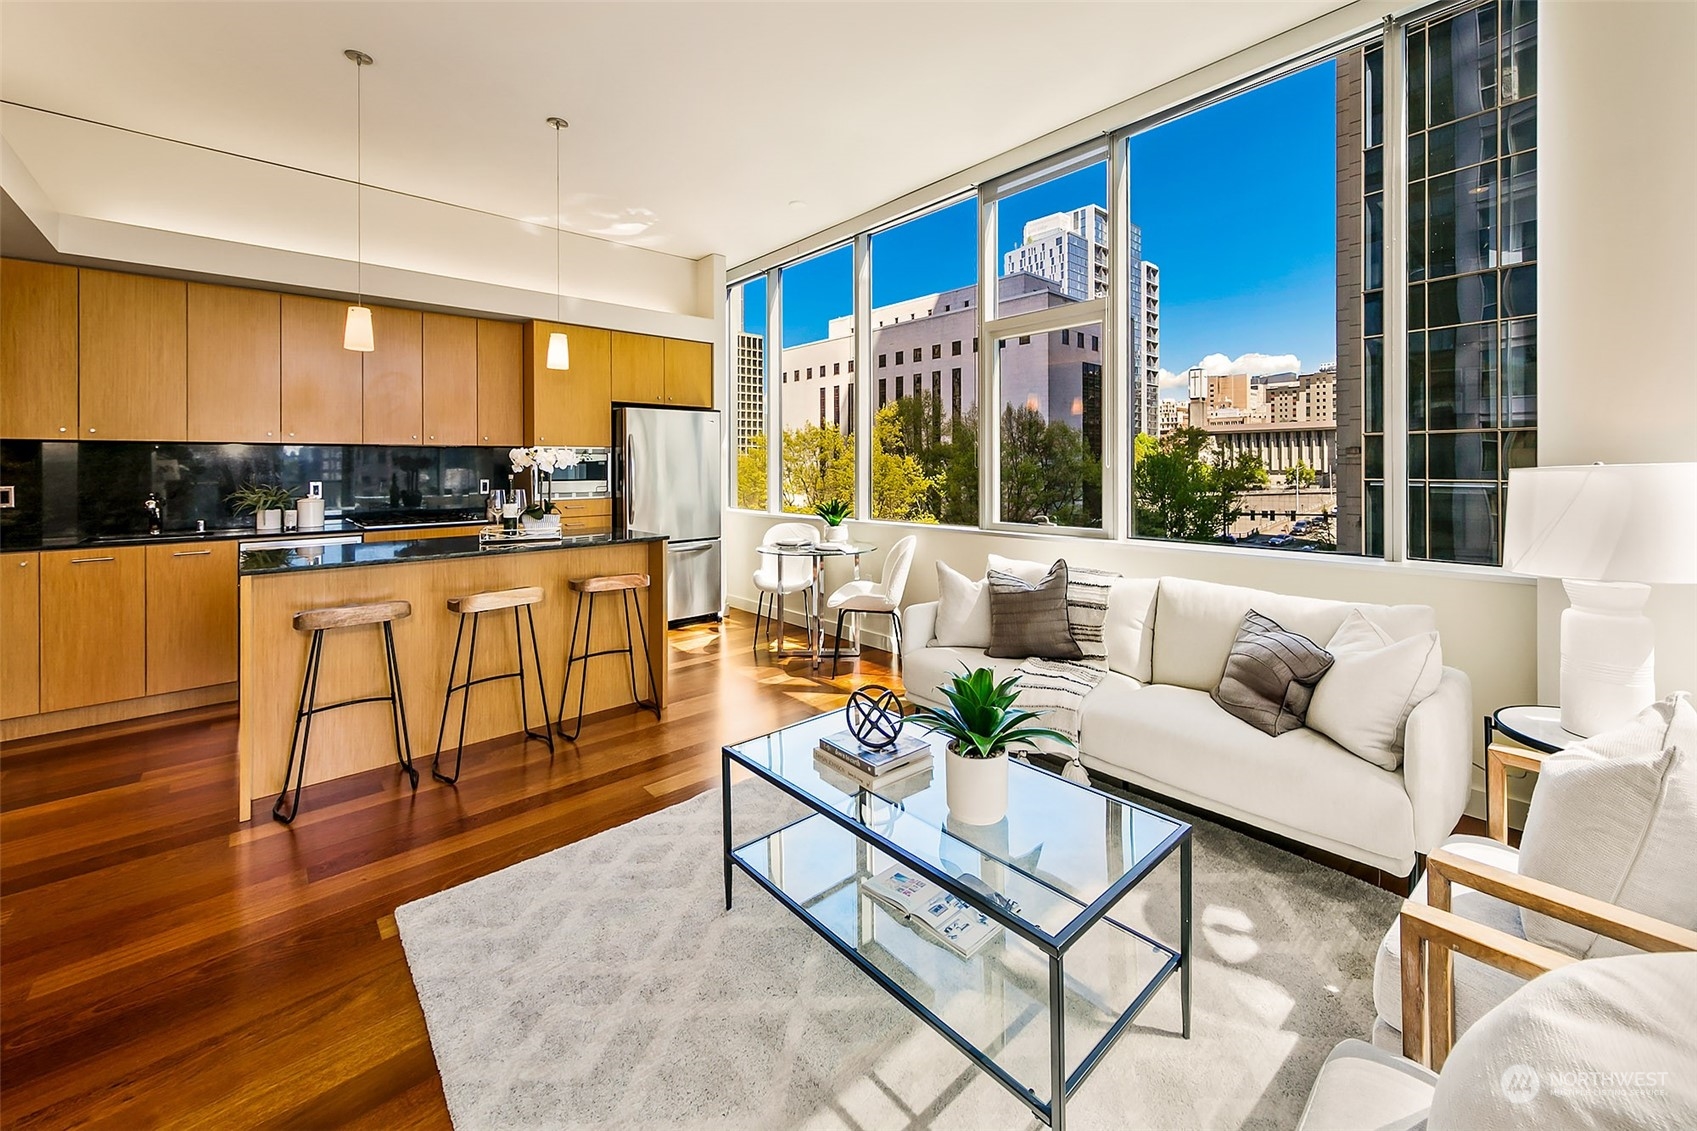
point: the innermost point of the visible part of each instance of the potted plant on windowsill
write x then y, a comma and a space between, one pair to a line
265, 501
981, 723
835, 513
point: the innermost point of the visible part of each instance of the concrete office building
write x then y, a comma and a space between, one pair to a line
750, 384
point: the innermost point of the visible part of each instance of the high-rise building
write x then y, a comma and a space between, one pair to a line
750, 384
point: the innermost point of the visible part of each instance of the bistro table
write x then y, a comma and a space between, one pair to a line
815, 553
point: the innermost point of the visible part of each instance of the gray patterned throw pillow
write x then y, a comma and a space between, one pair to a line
1270, 675
1029, 619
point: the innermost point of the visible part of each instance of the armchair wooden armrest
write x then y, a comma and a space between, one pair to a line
1499, 759
1432, 935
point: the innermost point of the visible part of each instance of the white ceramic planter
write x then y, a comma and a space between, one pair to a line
837, 533
977, 788
268, 520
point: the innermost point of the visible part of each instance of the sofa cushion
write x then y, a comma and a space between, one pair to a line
1030, 618
1606, 1045
1615, 817
1196, 622
1177, 738
1478, 987
1270, 675
1375, 682
924, 670
1129, 630
963, 609
1360, 1086
1023, 568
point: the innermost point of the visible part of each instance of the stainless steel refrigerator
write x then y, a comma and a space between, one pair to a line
667, 463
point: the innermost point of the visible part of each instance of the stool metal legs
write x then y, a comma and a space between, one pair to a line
628, 597
309, 707
464, 688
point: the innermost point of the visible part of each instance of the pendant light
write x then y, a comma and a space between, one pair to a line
357, 335
559, 355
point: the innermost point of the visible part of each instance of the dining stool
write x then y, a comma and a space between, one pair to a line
627, 586
318, 622
475, 606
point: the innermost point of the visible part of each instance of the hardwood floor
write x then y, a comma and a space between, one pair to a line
164, 965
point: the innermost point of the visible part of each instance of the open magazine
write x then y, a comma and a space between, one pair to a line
934, 911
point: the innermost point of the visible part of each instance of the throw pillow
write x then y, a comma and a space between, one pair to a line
1022, 568
1375, 681
1087, 602
1030, 619
1270, 675
963, 610
1615, 817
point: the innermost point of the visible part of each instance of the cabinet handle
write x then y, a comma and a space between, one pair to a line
415, 437
91, 431
64, 429
23, 565
85, 561
191, 553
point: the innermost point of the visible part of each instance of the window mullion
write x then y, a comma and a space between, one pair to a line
1122, 384
989, 368
862, 414
1395, 227
774, 390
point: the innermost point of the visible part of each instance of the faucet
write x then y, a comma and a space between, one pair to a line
155, 513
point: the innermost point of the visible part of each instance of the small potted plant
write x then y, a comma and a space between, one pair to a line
981, 723
265, 501
834, 512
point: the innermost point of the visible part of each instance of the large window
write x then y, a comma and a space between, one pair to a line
816, 371
746, 313
925, 312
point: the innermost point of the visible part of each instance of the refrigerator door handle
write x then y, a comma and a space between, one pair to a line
630, 480
700, 548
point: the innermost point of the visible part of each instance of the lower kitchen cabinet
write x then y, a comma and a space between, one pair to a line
191, 616
93, 626
20, 652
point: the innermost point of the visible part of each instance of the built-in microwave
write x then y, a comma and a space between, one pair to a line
589, 478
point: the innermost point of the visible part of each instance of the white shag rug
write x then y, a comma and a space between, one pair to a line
604, 985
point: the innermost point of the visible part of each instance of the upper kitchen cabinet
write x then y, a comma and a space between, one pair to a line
38, 351
132, 335
394, 378
235, 368
323, 395
572, 407
639, 368
689, 373
450, 380
500, 383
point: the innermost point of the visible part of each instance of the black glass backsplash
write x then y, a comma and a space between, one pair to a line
66, 492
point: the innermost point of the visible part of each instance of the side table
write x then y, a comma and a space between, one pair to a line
1538, 732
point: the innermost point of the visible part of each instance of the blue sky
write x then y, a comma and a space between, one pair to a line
1237, 204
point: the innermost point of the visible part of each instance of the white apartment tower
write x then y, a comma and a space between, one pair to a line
750, 390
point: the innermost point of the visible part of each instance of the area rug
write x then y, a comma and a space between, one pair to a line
604, 985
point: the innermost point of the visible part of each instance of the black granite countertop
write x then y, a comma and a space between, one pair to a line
259, 562
332, 527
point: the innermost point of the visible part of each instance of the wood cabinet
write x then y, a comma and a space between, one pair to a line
450, 380
571, 407
191, 616
639, 368
323, 394
394, 378
38, 351
462, 530
689, 373
93, 626
500, 383
132, 347
20, 651
235, 365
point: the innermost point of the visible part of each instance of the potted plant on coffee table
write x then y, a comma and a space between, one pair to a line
981, 723
835, 513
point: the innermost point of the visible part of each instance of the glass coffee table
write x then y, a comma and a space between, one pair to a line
1039, 1005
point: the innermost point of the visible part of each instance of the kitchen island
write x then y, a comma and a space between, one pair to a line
276, 584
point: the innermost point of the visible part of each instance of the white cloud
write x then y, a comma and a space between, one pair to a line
1174, 386
1253, 364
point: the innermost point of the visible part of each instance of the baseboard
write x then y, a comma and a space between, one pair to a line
876, 637
101, 714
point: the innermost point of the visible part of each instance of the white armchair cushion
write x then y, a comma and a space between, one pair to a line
963, 610
1361, 1088
1616, 818
1363, 701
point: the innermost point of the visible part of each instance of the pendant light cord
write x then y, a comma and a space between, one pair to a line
359, 181
559, 210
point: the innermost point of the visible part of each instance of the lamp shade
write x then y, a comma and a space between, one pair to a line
559, 356
356, 335
1604, 522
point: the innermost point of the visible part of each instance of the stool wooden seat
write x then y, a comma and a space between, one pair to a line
627, 586
612, 583
496, 599
474, 605
318, 622
350, 616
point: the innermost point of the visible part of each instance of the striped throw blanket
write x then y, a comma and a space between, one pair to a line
1058, 687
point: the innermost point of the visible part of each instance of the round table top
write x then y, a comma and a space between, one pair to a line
1536, 726
817, 549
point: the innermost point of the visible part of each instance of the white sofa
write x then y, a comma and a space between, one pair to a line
1152, 724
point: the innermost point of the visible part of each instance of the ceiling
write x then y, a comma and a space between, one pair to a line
693, 126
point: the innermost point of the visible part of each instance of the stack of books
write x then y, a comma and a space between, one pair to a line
935, 913
908, 761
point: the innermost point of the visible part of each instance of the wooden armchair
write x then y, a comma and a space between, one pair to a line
1432, 935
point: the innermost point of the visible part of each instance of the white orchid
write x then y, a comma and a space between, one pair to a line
546, 460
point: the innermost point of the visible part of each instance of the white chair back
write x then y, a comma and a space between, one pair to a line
897, 563
790, 532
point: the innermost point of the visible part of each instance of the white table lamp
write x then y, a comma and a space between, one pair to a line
1609, 532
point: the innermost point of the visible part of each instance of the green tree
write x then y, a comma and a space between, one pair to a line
751, 474
1189, 489
818, 465
1047, 473
901, 489
1301, 475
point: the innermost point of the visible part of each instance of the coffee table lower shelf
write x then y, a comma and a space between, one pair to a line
1016, 1009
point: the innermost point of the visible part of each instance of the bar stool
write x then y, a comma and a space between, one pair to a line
475, 606
318, 622
627, 585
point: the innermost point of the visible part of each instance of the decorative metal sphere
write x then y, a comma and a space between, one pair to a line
875, 716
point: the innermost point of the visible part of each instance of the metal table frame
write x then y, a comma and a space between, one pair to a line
1062, 1084
817, 552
